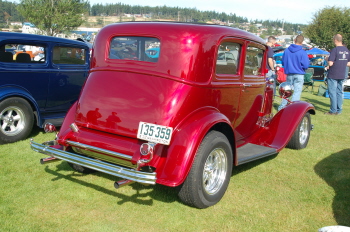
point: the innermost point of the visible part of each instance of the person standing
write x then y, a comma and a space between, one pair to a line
271, 65
338, 60
295, 61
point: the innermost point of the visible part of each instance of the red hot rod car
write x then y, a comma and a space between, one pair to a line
182, 117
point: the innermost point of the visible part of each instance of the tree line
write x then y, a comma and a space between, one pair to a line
58, 16
9, 12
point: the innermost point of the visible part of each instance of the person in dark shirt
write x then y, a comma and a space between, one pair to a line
271, 65
338, 60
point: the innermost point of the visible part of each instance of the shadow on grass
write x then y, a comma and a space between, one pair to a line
319, 105
36, 130
157, 192
335, 170
245, 167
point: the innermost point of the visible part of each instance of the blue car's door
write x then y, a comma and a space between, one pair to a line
70, 69
21, 76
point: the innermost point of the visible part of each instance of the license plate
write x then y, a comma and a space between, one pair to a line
154, 133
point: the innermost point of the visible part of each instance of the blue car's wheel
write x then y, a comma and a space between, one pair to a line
16, 120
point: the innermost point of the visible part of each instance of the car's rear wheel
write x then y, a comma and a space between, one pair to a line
210, 174
16, 120
301, 135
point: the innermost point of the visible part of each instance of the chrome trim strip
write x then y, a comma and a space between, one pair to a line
100, 150
104, 157
98, 165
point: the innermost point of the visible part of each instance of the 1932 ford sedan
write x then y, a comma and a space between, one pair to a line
182, 118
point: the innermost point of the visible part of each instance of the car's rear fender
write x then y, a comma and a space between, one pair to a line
177, 159
9, 91
68, 120
277, 132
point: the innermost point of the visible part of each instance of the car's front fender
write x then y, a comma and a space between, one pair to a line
280, 129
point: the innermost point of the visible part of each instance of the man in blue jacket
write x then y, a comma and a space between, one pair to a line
295, 61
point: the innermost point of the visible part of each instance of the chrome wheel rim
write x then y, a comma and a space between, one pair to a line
12, 121
214, 172
304, 130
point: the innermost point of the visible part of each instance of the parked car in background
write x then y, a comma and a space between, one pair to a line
319, 64
153, 52
40, 78
226, 57
181, 120
278, 58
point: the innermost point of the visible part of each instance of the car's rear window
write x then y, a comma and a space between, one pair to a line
135, 48
68, 55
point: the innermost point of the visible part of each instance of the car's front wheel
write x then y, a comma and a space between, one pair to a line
16, 120
210, 174
301, 135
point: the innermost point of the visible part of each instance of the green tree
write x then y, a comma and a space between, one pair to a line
253, 28
100, 21
326, 23
54, 16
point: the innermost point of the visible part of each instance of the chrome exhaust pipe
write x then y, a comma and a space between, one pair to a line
48, 160
122, 183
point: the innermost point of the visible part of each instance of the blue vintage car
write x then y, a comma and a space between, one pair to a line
40, 78
319, 64
278, 58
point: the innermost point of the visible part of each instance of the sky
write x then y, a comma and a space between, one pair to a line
296, 11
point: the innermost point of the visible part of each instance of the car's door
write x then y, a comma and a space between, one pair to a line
227, 81
70, 69
253, 85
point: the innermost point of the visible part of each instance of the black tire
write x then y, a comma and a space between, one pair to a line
16, 120
301, 135
81, 169
210, 173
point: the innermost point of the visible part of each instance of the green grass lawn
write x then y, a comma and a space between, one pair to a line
300, 190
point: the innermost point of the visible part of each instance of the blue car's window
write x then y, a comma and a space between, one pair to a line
318, 61
68, 55
135, 48
23, 53
228, 58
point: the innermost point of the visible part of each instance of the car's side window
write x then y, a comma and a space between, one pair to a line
23, 53
253, 61
135, 48
228, 58
68, 55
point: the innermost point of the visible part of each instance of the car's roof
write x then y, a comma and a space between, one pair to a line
30, 37
194, 43
175, 27
278, 54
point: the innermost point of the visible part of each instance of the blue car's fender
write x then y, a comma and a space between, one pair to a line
7, 91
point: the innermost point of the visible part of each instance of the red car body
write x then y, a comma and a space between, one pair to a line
182, 90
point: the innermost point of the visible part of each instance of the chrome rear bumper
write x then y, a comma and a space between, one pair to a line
98, 165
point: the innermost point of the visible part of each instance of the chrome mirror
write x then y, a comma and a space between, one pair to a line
286, 90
